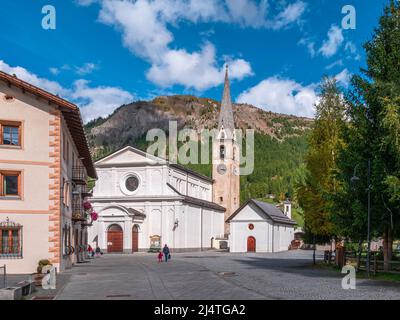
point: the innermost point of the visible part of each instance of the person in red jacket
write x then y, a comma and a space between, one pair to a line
160, 256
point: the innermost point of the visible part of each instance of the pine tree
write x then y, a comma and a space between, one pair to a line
324, 143
373, 133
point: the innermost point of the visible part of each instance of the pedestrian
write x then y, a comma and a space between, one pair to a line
160, 256
166, 253
90, 251
98, 251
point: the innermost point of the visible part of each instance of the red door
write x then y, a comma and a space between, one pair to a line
135, 239
251, 244
115, 238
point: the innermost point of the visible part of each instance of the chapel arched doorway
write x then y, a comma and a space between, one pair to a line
115, 239
135, 238
251, 244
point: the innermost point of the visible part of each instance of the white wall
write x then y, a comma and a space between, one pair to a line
269, 237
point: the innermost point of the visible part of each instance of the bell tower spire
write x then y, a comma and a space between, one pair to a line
226, 114
226, 157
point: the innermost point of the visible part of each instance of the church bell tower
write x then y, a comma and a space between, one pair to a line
226, 158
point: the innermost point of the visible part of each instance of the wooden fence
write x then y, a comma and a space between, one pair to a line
376, 265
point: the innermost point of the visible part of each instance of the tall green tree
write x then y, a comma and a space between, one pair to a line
324, 143
373, 132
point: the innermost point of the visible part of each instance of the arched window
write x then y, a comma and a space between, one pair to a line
222, 152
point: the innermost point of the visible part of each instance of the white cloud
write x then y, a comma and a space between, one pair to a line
337, 63
54, 71
85, 3
197, 70
247, 13
144, 27
331, 45
344, 77
310, 46
291, 14
48, 85
352, 49
98, 101
85, 69
283, 96
94, 101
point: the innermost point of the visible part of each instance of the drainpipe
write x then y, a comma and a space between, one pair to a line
273, 229
201, 230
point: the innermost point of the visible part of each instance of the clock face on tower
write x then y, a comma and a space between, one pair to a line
221, 168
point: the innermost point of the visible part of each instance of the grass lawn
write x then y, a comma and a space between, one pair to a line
383, 276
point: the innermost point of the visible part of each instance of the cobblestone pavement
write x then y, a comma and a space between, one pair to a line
215, 275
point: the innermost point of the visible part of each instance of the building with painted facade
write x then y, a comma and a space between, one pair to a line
44, 165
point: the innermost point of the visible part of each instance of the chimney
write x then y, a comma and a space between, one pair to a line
287, 209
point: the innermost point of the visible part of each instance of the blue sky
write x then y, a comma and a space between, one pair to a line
104, 53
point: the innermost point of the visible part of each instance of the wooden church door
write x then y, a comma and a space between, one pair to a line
251, 244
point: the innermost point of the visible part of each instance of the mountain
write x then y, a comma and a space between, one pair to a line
280, 140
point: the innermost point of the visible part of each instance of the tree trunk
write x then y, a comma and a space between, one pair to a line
359, 253
314, 249
387, 248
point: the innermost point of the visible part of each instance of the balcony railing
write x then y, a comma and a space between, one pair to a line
79, 175
78, 214
85, 192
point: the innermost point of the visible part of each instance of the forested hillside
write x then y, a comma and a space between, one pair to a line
280, 140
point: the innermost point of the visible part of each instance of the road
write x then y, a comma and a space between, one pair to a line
214, 275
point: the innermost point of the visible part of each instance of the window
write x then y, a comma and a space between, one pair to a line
10, 240
132, 183
10, 133
221, 199
65, 148
10, 184
222, 152
67, 240
66, 193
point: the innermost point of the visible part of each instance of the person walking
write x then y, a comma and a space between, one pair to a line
90, 251
160, 255
166, 253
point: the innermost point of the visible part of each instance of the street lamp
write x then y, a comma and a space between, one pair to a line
355, 179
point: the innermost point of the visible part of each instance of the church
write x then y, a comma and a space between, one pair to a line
144, 202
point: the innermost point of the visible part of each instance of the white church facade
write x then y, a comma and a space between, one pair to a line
144, 202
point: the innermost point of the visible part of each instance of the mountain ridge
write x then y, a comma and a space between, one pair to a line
129, 123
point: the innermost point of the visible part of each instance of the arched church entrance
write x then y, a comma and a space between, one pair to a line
135, 238
115, 239
251, 244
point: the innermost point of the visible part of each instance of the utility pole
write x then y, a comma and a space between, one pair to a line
369, 219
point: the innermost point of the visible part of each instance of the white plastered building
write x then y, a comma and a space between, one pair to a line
144, 201
258, 226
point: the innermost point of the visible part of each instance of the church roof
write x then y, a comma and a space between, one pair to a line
269, 210
193, 173
199, 202
226, 114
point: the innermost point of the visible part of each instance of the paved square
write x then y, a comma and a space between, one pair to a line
214, 275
